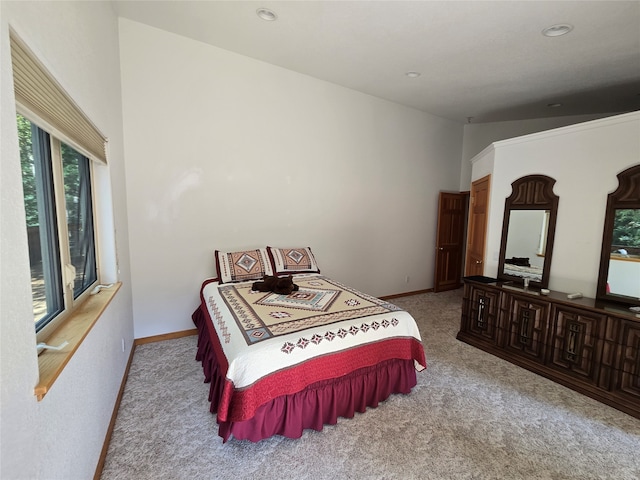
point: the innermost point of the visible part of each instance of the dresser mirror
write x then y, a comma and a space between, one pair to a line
528, 231
619, 278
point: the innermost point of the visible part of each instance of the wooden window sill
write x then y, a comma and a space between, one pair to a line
620, 258
73, 330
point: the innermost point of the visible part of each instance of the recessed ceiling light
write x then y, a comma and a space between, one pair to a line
557, 30
413, 74
266, 14
554, 105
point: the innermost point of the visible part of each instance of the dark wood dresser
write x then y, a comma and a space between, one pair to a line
586, 345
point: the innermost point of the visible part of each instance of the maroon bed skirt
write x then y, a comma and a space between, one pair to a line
318, 404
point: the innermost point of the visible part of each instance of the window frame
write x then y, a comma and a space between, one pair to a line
70, 304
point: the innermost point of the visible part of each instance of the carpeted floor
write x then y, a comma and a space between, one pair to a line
471, 416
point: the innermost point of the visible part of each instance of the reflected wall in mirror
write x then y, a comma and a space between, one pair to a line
526, 243
619, 278
528, 231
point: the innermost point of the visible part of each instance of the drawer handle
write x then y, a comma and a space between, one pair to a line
481, 306
571, 350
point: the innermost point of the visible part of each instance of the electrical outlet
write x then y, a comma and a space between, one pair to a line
406, 279
123, 345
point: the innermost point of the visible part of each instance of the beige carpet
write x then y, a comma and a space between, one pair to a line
471, 416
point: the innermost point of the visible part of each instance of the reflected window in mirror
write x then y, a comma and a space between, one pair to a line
528, 230
624, 260
544, 229
619, 278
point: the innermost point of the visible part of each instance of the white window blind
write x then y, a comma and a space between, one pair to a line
40, 94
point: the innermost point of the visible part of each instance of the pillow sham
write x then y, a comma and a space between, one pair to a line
243, 265
287, 261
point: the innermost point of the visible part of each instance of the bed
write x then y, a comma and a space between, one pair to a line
531, 272
279, 364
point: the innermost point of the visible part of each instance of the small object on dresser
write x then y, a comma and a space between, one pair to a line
545, 291
573, 296
635, 309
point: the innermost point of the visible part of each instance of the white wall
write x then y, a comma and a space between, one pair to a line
227, 152
478, 136
584, 160
525, 229
61, 436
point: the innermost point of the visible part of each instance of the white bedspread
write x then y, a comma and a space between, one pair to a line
532, 272
262, 333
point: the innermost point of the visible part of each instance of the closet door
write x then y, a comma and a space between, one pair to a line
477, 226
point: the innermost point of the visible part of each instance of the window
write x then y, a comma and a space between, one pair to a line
59, 147
59, 212
625, 242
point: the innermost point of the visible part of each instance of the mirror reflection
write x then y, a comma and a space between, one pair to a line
624, 256
528, 229
526, 244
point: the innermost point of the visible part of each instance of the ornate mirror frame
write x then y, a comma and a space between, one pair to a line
626, 196
532, 192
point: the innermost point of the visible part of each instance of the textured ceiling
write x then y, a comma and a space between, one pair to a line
482, 59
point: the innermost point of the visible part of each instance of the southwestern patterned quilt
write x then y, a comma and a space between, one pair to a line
278, 344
